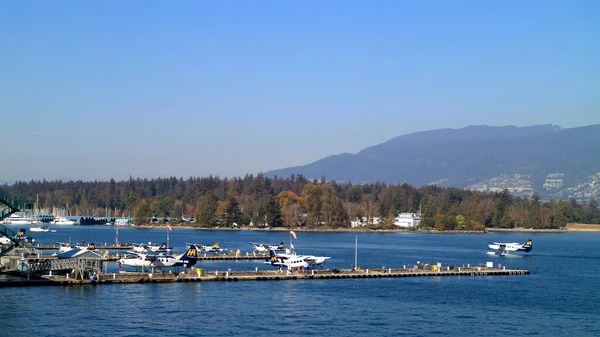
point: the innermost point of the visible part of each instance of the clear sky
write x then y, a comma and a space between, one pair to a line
108, 89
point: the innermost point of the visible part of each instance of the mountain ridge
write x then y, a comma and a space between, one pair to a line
464, 156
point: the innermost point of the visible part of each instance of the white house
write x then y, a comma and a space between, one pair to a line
407, 220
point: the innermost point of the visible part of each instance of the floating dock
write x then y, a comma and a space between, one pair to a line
102, 247
204, 257
199, 275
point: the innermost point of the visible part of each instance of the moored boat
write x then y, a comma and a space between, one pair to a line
18, 219
64, 221
40, 229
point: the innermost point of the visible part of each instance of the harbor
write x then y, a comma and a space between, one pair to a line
398, 273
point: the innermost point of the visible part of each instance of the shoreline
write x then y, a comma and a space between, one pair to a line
324, 230
366, 230
529, 230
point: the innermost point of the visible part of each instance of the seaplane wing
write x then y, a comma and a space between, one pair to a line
314, 261
259, 247
139, 247
131, 252
140, 261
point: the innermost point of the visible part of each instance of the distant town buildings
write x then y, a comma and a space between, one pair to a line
520, 185
404, 220
516, 184
587, 190
553, 181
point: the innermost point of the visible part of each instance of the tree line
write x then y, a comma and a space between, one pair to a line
296, 201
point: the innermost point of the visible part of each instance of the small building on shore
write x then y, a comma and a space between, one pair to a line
407, 220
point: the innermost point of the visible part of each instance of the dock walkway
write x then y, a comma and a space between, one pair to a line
234, 276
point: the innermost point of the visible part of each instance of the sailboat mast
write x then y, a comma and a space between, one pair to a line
356, 251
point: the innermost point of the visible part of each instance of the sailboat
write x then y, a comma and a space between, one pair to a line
108, 223
61, 220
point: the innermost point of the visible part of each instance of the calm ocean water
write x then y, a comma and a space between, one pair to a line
559, 298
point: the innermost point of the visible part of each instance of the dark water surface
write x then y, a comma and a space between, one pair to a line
559, 298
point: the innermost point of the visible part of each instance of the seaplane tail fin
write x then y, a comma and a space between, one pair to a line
528, 245
190, 257
192, 252
272, 256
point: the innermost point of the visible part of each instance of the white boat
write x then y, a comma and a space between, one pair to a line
40, 229
61, 220
18, 219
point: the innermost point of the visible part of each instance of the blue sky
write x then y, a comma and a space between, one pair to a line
108, 89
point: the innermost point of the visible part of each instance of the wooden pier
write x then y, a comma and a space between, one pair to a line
199, 275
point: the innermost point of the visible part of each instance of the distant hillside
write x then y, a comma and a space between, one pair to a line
471, 156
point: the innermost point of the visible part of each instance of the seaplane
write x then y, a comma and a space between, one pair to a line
4, 240
19, 237
161, 260
291, 261
263, 248
149, 247
216, 248
501, 248
65, 247
68, 250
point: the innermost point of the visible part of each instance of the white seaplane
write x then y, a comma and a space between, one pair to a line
161, 260
149, 247
291, 261
501, 248
264, 248
215, 248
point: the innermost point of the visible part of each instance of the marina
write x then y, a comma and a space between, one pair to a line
95, 264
